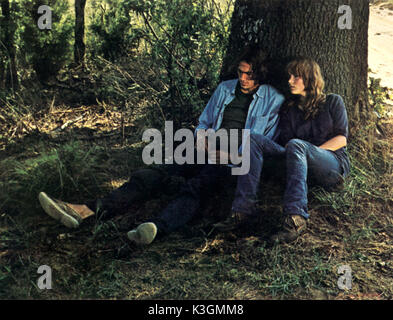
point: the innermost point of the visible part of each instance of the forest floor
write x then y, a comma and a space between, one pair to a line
351, 227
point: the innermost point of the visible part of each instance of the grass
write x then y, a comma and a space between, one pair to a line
56, 171
350, 227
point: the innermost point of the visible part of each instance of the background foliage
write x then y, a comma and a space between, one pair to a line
169, 50
44, 51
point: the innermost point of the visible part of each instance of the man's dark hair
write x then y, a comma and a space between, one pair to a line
256, 58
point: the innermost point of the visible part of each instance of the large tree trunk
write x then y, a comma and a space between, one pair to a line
11, 76
79, 48
288, 28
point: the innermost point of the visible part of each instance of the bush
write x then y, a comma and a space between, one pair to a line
187, 41
167, 52
46, 51
110, 30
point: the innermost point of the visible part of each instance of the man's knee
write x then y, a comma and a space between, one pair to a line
257, 142
147, 178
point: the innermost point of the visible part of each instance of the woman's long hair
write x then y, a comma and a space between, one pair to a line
314, 84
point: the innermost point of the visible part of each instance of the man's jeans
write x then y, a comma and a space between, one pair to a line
191, 183
261, 148
202, 181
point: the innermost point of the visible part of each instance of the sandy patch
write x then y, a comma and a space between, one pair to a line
380, 46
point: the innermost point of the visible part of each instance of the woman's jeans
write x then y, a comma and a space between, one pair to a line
195, 182
306, 162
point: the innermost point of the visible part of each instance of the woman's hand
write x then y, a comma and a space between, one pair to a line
334, 143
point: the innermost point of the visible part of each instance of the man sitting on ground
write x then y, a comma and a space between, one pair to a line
243, 103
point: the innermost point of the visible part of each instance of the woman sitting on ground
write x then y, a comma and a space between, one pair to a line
314, 131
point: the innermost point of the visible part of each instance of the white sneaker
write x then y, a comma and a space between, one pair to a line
60, 211
143, 234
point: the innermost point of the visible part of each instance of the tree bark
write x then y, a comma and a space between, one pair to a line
288, 28
11, 76
79, 48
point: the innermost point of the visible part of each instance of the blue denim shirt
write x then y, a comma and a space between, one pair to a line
263, 113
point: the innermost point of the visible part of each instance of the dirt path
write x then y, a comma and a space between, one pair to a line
380, 51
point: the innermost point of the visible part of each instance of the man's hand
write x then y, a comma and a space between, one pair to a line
219, 157
201, 144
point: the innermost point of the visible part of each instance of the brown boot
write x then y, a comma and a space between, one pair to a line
293, 227
234, 221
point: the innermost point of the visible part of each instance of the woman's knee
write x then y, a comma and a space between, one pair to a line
296, 145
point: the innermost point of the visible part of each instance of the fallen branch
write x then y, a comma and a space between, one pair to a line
66, 124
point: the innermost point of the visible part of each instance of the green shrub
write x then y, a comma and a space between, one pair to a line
167, 52
187, 41
46, 51
110, 30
